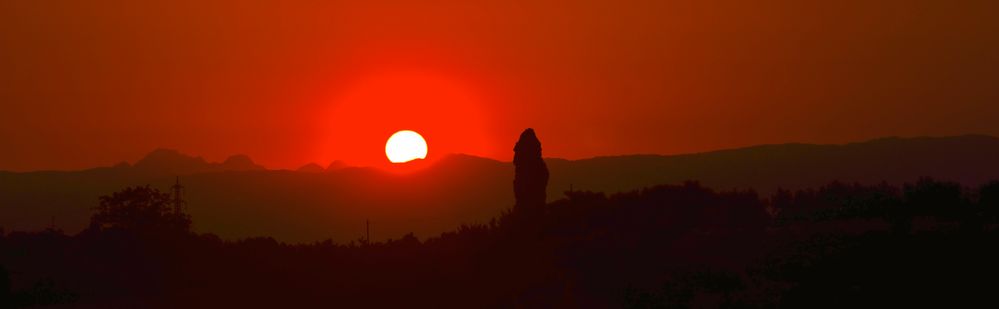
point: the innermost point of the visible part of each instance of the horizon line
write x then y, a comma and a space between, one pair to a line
347, 165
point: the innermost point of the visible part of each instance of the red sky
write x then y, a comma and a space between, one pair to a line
91, 83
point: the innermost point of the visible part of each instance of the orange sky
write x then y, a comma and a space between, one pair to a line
90, 83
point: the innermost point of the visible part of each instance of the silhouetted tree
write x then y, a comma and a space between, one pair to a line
836, 200
900, 219
988, 200
929, 197
780, 202
530, 181
681, 245
139, 209
44, 293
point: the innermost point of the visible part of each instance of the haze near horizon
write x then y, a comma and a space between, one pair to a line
321, 81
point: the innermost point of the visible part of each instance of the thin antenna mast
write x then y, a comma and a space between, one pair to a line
178, 199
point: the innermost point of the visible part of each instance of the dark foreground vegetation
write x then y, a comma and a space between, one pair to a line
842, 245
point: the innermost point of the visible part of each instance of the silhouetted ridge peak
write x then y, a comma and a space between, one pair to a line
169, 161
461, 157
336, 165
240, 163
163, 159
465, 162
311, 168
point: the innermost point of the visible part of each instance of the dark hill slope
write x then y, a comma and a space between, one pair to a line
239, 199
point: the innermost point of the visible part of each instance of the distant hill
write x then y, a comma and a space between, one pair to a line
168, 161
311, 168
238, 198
969, 159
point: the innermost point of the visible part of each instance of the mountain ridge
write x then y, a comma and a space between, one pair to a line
307, 206
242, 162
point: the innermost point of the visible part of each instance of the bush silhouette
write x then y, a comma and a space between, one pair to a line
988, 200
679, 245
139, 209
929, 197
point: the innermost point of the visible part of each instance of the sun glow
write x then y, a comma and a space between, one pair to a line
405, 146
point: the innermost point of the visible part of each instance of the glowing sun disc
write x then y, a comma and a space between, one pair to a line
405, 146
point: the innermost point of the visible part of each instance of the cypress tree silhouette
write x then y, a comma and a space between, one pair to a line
530, 180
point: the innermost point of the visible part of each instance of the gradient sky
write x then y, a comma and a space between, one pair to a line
92, 83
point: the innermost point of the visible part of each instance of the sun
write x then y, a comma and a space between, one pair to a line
405, 146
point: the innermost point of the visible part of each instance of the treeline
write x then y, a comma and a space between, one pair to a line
665, 246
942, 201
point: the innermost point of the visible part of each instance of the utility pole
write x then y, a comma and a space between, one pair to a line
367, 230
